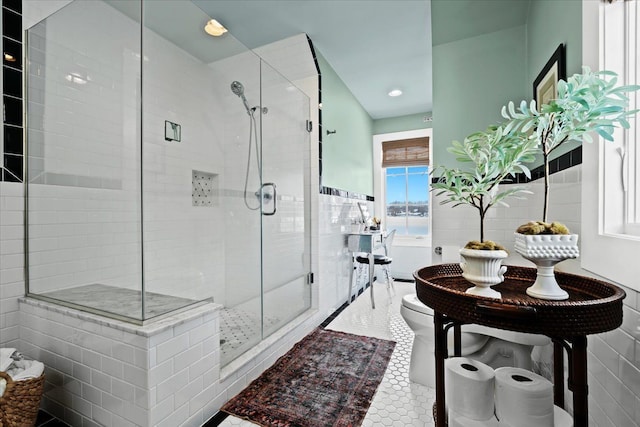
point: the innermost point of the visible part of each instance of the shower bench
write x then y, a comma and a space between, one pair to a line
594, 306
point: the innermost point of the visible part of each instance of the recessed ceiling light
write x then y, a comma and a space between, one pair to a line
395, 92
214, 28
9, 58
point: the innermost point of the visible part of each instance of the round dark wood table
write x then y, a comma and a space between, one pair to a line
593, 307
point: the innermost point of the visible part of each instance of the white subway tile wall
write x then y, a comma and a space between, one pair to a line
335, 218
111, 372
11, 262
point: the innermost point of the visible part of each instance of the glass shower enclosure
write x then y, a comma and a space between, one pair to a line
166, 168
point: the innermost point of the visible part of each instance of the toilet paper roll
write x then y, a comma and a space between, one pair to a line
457, 420
469, 386
522, 398
561, 418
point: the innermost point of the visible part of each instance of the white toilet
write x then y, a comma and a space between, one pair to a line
494, 347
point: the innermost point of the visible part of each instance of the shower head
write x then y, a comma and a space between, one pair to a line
238, 89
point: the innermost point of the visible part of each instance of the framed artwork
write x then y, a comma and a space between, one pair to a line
545, 87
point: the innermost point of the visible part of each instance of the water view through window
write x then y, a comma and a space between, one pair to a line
407, 200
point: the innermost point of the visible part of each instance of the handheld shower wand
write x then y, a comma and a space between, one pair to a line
238, 89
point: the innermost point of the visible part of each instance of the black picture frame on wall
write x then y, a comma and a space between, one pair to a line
545, 86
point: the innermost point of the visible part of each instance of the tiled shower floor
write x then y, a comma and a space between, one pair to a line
397, 402
240, 331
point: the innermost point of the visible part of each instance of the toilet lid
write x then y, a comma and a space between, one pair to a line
412, 302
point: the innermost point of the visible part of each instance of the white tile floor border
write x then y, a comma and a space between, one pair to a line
397, 402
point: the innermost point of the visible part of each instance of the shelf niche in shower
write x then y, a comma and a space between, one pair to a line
204, 191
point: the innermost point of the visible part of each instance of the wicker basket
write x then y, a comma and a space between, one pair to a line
20, 402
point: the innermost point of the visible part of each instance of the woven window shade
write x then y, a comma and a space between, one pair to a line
405, 152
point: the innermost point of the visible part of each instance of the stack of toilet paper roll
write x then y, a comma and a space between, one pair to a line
478, 396
523, 399
469, 393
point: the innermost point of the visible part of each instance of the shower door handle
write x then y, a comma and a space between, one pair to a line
269, 195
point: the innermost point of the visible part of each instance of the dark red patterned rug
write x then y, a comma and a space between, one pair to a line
326, 379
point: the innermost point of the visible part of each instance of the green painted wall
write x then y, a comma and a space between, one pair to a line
347, 155
401, 123
472, 79
550, 23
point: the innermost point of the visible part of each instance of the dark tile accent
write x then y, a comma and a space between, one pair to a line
12, 82
333, 315
216, 420
340, 309
13, 140
564, 161
537, 173
7, 177
313, 53
576, 156
346, 194
13, 164
15, 5
12, 159
11, 24
14, 49
43, 417
12, 110
54, 423
315, 61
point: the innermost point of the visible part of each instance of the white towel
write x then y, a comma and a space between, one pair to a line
25, 369
5, 358
3, 386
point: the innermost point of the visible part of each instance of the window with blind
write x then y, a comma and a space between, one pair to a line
405, 152
406, 164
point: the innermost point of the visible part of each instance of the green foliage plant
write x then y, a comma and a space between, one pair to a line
587, 102
494, 155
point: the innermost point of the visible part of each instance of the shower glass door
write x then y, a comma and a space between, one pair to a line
285, 208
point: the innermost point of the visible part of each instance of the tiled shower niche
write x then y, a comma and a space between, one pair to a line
204, 188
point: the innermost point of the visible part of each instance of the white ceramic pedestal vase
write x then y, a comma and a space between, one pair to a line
545, 251
483, 269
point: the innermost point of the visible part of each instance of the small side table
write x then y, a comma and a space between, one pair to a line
593, 307
365, 241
